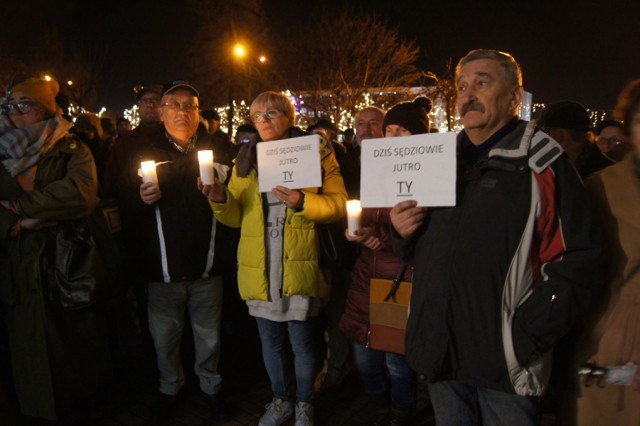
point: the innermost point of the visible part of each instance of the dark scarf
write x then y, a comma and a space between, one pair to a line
471, 153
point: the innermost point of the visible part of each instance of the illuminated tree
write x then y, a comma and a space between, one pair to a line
444, 94
340, 59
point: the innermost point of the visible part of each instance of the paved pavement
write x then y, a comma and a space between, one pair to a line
131, 400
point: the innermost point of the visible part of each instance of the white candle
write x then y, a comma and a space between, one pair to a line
205, 158
354, 211
149, 172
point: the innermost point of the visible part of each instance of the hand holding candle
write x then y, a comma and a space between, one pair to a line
354, 211
149, 172
205, 158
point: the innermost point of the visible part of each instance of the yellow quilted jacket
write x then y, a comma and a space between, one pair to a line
302, 274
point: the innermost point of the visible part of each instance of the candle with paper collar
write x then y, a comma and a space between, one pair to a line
149, 172
205, 158
354, 211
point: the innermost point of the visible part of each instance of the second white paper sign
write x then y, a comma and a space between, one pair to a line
417, 167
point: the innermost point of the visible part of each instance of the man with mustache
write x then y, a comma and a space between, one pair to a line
503, 275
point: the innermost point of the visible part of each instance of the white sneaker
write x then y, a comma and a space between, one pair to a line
304, 414
278, 412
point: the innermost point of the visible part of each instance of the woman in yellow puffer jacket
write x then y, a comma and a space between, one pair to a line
279, 273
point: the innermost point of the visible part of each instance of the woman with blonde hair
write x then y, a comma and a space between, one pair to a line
279, 273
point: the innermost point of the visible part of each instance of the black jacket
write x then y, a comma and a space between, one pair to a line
176, 233
504, 274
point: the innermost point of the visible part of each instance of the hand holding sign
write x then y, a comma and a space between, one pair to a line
406, 217
292, 198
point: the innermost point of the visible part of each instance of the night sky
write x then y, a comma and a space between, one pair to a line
580, 50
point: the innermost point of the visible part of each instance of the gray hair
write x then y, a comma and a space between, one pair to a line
374, 109
510, 68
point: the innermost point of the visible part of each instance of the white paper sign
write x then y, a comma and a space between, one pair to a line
293, 163
417, 167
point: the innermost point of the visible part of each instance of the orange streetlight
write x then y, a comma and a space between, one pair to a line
239, 50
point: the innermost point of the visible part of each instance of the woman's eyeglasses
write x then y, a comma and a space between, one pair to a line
24, 107
259, 117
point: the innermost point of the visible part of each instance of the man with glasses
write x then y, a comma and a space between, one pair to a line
148, 102
180, 245
611, 140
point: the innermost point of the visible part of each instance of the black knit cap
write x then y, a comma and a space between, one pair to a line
210, 114
565, 115
410, 115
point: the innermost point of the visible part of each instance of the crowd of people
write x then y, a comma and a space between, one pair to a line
524, 295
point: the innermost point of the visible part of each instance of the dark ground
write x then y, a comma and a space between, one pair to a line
130, 400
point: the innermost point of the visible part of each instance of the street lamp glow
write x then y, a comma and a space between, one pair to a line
239, 50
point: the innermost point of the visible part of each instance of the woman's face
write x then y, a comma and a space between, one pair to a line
28, 112
271, 123
393, 130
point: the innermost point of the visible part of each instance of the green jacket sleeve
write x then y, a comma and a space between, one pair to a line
62, 198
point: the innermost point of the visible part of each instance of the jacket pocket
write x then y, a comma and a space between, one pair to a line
537, 325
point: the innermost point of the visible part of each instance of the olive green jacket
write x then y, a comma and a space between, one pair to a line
43, 340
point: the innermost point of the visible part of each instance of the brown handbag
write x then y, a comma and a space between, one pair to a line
388, 312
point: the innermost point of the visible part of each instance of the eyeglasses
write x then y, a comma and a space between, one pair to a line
24, 107
175, 106
608, 141
259, 117
149, 101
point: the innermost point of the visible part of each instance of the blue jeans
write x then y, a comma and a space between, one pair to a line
273, 335
371, 365
457, 403
167, 304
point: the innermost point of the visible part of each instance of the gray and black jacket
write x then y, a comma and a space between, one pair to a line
504, 274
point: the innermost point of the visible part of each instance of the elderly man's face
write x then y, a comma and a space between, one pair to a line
180, 113
485, 101
368, 125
